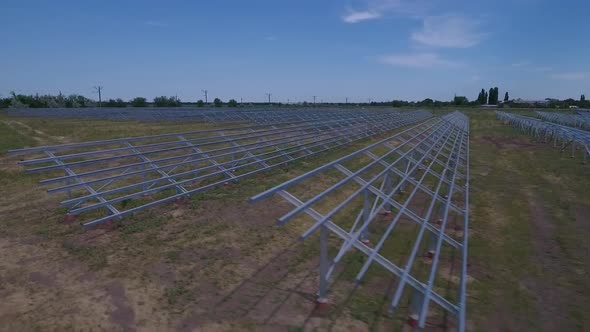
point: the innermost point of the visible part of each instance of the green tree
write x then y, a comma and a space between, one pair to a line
481, 97
5, 102
399, 103
460, 100
496, 95
161, 101
232, 103
217, 102
115, 103
506, 97
138, 102
582, 98
164, 101
200, 103
426, 102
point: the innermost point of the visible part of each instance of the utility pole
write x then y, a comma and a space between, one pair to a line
314, 99
98, 89
241, 101
205, 94
346, 100
268, 94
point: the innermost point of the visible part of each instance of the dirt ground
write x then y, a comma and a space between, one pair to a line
217, 263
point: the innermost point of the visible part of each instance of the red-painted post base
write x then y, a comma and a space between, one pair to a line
412, 321
106, 225
322, 305
430, 254
70, 218
181, 200
385, 213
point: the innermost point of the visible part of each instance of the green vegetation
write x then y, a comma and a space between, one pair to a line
482, 98
115, 103
95, 257
12, 139
164, 101
461, 101
138, 102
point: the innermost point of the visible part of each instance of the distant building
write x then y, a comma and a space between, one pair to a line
531, 102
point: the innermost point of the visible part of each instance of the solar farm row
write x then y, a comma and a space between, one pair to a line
105, 175
211, 115
412, 187
577, 140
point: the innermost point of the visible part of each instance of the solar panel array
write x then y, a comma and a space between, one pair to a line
410, 187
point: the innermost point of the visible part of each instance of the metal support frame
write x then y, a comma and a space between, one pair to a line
573, 120
211, 115
431, 160
543, 131
106, 174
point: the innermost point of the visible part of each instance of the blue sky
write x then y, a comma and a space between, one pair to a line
377, 49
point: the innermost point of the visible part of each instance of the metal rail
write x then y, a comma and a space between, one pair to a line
419, 179
107, 175
566, 137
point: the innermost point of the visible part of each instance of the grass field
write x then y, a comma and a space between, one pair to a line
219, 263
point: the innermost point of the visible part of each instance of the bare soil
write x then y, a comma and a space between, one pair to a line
550, 297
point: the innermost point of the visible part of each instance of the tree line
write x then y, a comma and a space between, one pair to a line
78, 101
485, 97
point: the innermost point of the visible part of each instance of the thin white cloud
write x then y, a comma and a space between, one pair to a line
156, 24
451, 31
574, 76
530, 66
375, 9
359, 16
543, 69
417, 60
521, 64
